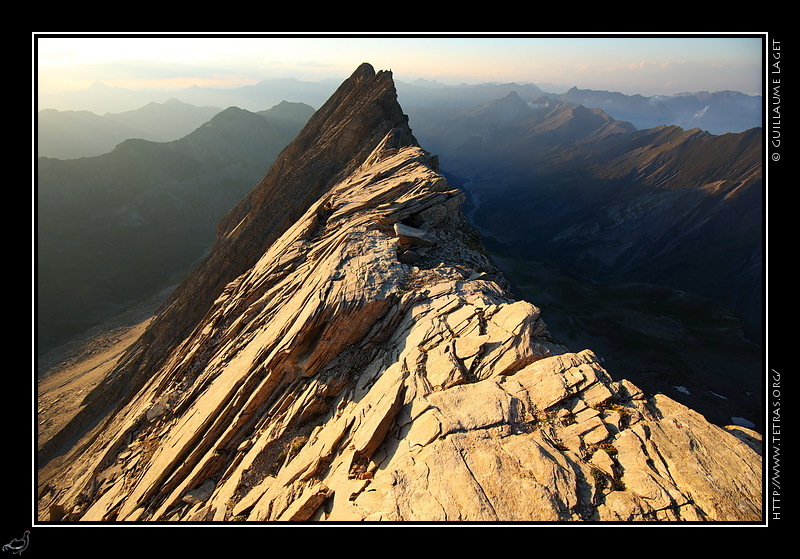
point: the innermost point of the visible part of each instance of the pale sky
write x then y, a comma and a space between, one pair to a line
628, 64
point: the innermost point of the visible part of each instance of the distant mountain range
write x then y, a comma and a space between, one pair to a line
101, 98
716, 112
73, 134
115, 227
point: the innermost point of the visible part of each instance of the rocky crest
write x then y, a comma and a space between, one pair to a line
361, 360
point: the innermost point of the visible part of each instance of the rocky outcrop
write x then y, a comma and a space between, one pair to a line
335, 140
370, 365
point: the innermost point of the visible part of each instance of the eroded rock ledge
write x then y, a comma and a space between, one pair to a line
372, 367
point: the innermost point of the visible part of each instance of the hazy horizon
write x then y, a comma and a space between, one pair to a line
626, 64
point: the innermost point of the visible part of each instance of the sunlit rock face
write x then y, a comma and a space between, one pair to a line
371, 365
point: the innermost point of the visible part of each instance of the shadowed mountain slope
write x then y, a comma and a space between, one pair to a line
572, 186
114, 228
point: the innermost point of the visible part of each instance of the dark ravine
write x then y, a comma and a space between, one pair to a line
361, 359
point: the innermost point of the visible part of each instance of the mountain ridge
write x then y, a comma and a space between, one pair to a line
220, 266
363, 360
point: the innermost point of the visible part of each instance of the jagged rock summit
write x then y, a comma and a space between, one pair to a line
349, 353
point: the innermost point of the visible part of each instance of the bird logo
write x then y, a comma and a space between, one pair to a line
18, 545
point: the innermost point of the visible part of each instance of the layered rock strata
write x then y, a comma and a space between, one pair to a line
371, 365
338, 137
